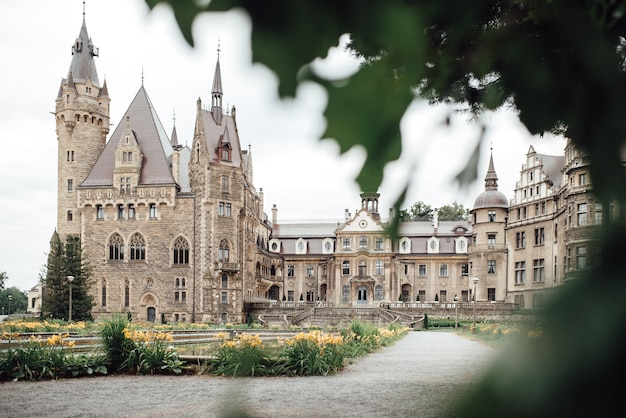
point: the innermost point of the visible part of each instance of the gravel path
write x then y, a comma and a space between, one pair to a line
414, 377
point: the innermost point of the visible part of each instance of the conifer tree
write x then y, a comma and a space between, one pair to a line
65, 259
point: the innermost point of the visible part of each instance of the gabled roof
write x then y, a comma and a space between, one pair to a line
151, 137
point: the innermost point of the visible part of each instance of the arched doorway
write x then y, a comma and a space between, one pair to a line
273, 292
149, 305
361, 295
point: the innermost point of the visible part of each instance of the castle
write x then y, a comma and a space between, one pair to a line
181, 233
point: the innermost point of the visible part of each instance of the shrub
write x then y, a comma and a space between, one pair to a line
150, 353
46, 359
142, 352
312, 353
245, 356
116, 345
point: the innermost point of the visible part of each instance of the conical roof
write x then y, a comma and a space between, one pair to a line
491, 197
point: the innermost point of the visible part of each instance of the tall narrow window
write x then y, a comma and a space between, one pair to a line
379, 243
362, 242
103, 293
598, 217
581, 257
70, 216
362, 268
153, 211
291, 271
126, 293
345, 293
225, 183
539, 273
379, 267
310, 271
540, 236
581, 214
345, 267
224, 281
443, 270
99, 212
422, 270
181, 251
491, 239
520, 272
491, 266
346, 243
70, 185
116, 247
137, 247
223, 254
120, 211
492, 215
131, 211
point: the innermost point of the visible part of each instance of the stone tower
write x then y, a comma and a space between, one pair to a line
82, 123
488, 254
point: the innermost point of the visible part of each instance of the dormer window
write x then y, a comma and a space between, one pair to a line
224, 151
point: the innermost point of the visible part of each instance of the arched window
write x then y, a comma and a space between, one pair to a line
181, 251
378, 292
137, 247
116, 247
345, 267
362, 268
223, 254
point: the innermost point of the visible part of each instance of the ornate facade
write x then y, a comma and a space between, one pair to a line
179, 233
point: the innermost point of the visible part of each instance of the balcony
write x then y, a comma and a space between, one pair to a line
227, 267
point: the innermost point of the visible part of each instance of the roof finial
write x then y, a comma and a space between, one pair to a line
218, 47
83, 10
174, 117
141, 76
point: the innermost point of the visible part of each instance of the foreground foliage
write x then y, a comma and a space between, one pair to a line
312, 353
49, 358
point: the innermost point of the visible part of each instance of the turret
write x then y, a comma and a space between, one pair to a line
82, 124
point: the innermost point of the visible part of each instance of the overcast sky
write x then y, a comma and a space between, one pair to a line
306, 178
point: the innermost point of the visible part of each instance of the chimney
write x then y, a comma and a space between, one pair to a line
261, 206
435, 219
274, 214
176, 165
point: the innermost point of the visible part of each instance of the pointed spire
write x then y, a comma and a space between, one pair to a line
83, 66
491, 179
216, 92
104, 91
174, 137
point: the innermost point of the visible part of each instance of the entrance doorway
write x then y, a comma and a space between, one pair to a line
272, 293
361, 295
151, 314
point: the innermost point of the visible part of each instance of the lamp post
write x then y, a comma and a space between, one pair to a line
70, 279
474, 280
456, 312
9, 313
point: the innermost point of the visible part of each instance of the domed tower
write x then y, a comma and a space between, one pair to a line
487, 253
82, 123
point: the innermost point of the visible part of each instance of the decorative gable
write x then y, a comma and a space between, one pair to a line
128, 161
432, 245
